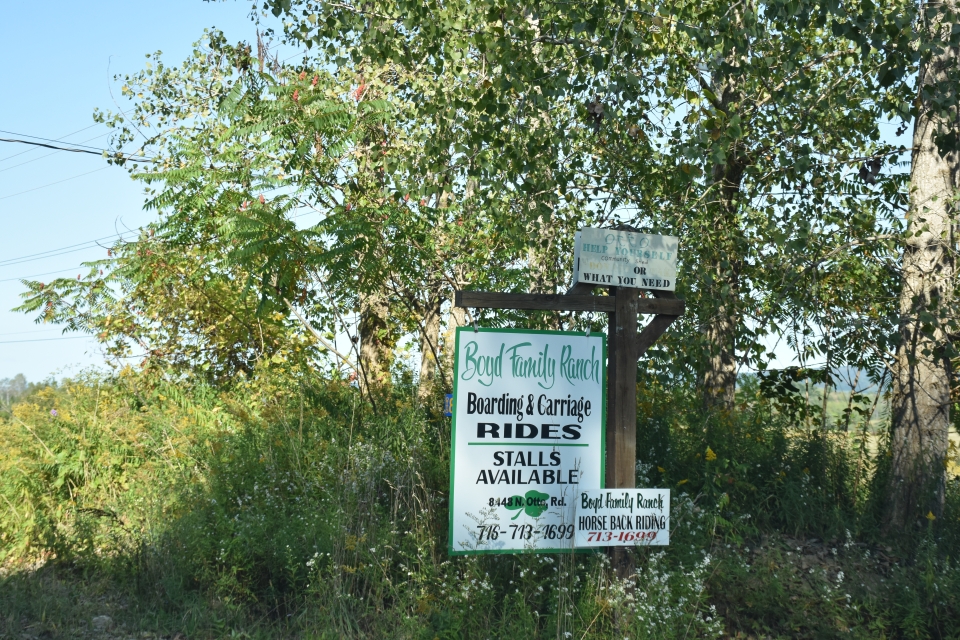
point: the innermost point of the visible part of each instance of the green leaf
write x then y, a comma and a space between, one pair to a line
537, 503
533, 504
515, 503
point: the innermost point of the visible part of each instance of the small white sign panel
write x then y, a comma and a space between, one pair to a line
625, 259
622, 517
528, 431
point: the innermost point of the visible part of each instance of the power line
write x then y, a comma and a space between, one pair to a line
37, 275
43, 186
58, 140
47, 155
89, 244
57, 252
18, 333
82, 248
98, 152
93, 151
299, 53
69, 246
24, 135
52, 255
46, 339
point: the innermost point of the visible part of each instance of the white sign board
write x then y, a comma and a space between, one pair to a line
622, 517
625, 259
528, 433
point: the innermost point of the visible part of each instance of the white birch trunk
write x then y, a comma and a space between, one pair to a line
921, 384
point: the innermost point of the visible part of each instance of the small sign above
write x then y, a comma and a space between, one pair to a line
608, 257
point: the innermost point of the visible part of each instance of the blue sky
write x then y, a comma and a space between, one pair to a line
55, 75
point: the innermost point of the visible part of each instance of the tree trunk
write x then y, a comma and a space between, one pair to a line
720, 374
376, 341
723, 251
542, 254
921, 384
457, 318
429, 345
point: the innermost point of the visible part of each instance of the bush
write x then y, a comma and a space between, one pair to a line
287, 505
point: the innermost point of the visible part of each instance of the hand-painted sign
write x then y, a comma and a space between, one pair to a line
528, 431
625, 259
622, 517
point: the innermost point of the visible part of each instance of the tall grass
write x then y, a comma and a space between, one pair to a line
287, 506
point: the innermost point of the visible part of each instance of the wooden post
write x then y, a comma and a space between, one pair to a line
622, 390
621, 463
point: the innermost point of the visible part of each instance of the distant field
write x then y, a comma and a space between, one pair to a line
838, 401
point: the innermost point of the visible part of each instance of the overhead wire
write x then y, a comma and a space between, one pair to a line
12, 262
24, 135
44, 186
37, 275
53, 255
60, 139
19, 333
45, 339
89, 244
83, 246
50, 254
47, 145
92, 150
47, 155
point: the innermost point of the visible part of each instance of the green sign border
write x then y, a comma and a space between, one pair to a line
453, 436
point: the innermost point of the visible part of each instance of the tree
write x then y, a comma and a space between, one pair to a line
12, 389
461, 145
737, 127
167, 305
241, 148
922, 377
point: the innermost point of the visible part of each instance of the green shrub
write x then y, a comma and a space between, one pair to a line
286, 505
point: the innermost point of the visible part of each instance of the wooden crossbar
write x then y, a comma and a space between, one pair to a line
560, 302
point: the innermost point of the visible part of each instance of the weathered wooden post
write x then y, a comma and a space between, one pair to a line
622, 405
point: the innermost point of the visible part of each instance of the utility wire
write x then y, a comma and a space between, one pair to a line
92, 151
37, 275
47, 155
69, 246
53, 255
96, 124
19, 333
44, 186
45, 339
56, 252
24, 135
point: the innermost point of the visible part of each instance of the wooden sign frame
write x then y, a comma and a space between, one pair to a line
625, 345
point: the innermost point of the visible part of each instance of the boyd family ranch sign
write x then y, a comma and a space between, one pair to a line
528, 418
544, 420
